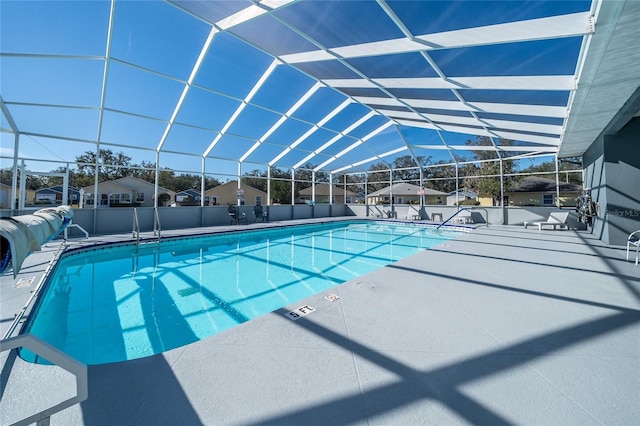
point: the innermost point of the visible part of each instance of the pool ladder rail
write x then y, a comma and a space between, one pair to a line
157, 229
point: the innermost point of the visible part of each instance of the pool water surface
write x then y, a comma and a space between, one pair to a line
124, 302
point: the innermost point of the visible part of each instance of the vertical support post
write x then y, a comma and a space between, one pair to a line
344, 177
557, 182
330, 188
202, 181
23, 186
96, 181
14, 178
293, 186
269, 186
313, 187
156, 183
65, 186
421, 187
457, 186
366, 192
238, 199
502, 189
391, 189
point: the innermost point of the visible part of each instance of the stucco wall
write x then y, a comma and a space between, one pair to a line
612, 171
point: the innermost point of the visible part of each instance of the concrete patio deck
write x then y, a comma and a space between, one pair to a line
503, 325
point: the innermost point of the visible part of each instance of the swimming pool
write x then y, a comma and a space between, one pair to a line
121, 302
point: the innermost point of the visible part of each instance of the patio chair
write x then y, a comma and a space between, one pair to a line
411, 214
259, 213
463, 217
555, 219
235, 215
634, 240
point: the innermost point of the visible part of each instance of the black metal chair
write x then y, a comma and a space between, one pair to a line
233, 214
260, 213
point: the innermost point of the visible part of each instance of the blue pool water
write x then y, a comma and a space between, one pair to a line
120, 302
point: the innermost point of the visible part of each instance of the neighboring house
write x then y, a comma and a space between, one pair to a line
537, 191
339, 195
53, 195
5, 196
126, 191
188, 197
406, 193
227, 194
462, 196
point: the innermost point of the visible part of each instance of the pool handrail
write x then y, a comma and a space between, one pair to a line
156, 223
56, 357
136, 226
46, 351
465, 209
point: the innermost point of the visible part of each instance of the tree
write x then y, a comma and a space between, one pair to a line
406, 169
380, 179
566, 164
111, 166
486, 180
256, 179
280, 186
442, 178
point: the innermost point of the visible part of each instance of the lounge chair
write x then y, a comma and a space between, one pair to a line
463, 217
634, 240
411, 214
555, 219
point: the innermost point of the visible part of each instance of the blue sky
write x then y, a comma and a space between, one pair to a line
53, 67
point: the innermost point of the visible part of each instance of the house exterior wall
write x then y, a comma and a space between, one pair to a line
612, 171
408, 199
144, 187
322, 194
536, 199
104, 189
5, 196
226, 194
127, 185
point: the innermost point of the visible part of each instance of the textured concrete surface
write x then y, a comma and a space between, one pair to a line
504, 325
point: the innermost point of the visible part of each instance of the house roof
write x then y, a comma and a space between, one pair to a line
538, 184
58, 188
464, 194
404, 188
89, 188
233, 183
124, 180
189, 191
323, 189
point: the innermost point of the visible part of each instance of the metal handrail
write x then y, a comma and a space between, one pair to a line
156, 223
59, 358
467, 209
46, 351
73, 225
136, 226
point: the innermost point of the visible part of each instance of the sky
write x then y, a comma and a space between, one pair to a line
53, 68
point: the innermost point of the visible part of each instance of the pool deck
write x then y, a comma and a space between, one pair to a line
504, 325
